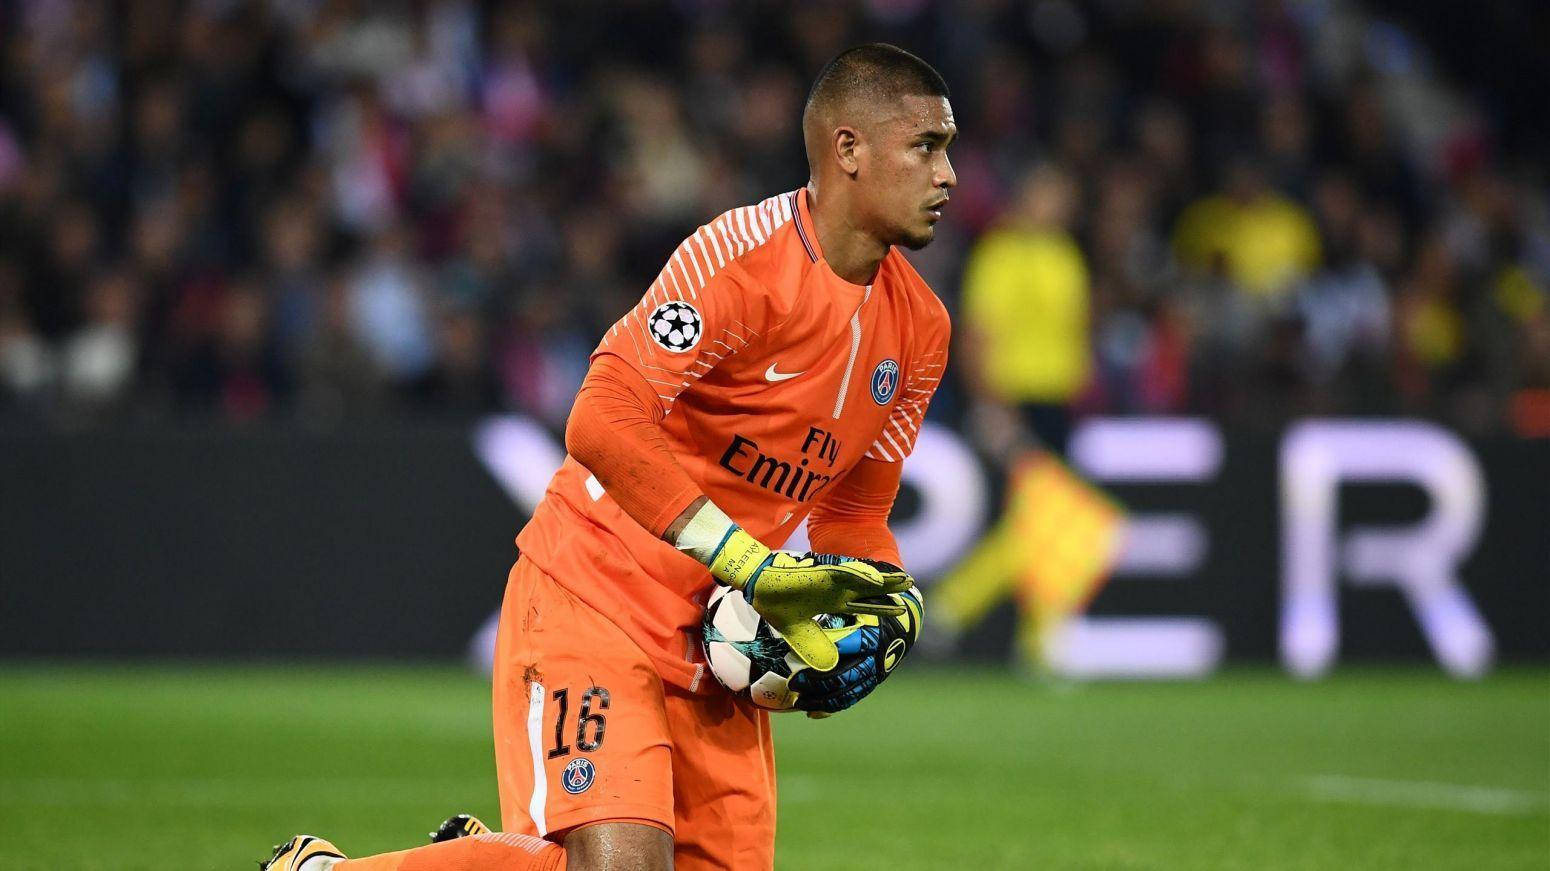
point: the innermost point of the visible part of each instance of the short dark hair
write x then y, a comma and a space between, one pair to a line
875, 71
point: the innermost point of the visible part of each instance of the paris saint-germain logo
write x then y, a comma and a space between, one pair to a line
885, 381
578, 776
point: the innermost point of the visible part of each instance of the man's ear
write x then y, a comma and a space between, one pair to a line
846, 145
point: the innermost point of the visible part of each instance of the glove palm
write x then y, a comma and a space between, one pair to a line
789, 591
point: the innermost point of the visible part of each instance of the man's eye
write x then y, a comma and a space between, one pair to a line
927, 145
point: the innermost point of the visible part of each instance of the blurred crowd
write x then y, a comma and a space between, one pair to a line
338, 210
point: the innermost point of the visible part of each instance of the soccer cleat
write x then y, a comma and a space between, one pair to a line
459, 826
303, 853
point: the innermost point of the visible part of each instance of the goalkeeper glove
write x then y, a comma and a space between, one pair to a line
789, 591
867, 656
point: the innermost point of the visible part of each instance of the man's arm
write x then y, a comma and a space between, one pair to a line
615, 432
852, 516
675, 530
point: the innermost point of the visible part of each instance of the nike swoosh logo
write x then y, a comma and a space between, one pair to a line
771, 375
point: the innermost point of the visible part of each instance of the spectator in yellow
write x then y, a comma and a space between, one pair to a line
1260, 240
1026, 310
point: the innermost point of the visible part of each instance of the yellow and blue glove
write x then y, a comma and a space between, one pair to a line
789, 591
869, 652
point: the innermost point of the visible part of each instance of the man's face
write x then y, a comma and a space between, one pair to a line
905, 174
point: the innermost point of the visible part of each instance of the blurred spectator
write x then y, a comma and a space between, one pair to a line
1344, 307
368, 153
659, 166
1025, 300
71, 250
26, 364
388, 309
257, 209
98, 359
293, 243
1166, 154
1287, 143
1434, 334
462, 382
233, 368
1261, 240
544, 357
1142, 338
338, 378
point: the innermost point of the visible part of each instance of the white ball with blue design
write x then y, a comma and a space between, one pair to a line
748, 656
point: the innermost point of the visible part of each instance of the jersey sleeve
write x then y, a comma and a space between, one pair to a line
700, 309
851, 518
615, 432
925, 374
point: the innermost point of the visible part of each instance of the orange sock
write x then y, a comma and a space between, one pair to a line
496, 851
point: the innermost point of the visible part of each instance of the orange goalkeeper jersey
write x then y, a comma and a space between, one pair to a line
776, 377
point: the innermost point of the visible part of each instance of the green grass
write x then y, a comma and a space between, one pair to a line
120, 767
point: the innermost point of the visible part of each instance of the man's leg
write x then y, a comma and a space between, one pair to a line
723, 783
602, 847
492, 851
618, 847
581, 734
582, 747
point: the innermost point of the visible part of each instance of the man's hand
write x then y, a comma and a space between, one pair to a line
789, 591
868, 655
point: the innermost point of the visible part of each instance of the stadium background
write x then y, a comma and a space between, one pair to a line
269, 270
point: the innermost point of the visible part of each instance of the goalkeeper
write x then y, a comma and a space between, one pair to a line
777, 369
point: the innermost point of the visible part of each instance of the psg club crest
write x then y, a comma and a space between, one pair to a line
578, 775
885, 381
675, 326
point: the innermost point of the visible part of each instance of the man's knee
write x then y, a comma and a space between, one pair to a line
619, 847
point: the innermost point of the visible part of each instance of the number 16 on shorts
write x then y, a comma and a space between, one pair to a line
590, 726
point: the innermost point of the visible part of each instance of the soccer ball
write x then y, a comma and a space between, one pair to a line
749, 657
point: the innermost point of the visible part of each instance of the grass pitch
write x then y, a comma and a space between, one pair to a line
129, 767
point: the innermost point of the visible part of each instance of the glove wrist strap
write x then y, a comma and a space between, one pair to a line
733, 556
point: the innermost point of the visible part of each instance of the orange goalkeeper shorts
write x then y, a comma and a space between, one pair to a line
586, 732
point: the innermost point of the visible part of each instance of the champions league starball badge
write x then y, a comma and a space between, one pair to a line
675, 326
885, 381
577, 776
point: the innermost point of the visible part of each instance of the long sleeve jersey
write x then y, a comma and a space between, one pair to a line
751, 373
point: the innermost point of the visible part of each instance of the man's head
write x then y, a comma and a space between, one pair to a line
1046, 196
877, 125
